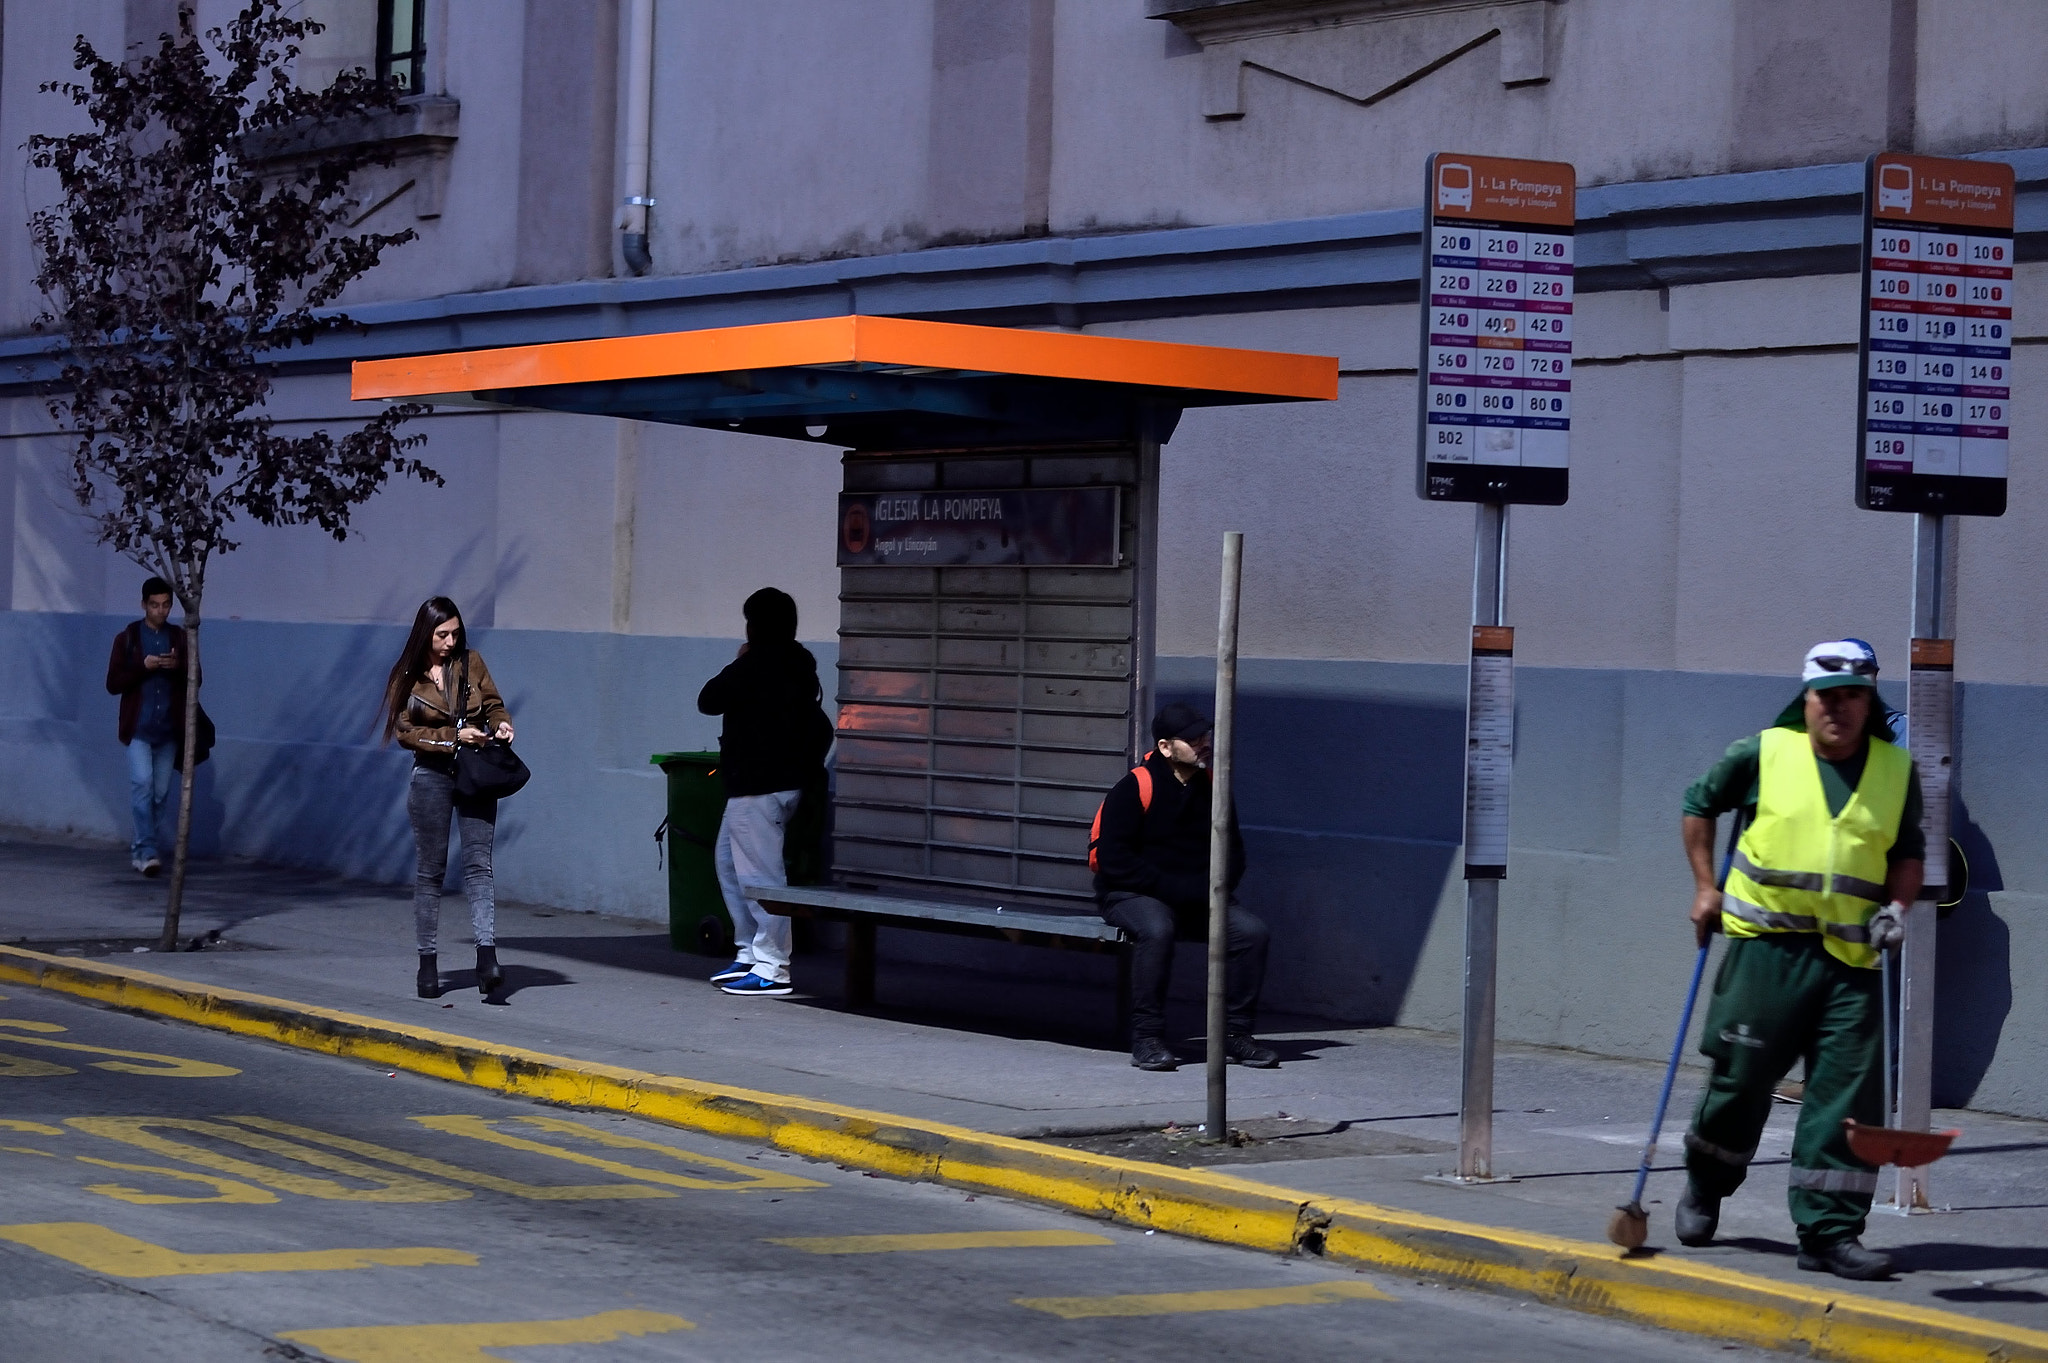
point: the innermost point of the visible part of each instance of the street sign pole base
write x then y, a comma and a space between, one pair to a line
1459, 1181
1909, 1194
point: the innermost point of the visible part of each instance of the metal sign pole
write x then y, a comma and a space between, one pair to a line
1930, 713
1935, 385
1216, 1128
1489, 751
1493, 426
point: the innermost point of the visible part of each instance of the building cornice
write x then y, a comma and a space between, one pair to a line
1646, 234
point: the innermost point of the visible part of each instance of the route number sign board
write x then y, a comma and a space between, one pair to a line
1496, 330
1936, 387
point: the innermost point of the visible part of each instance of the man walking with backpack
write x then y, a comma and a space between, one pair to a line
1150, 855
147, 671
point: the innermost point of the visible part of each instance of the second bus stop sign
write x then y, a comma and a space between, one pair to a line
1937, 336
1496, 330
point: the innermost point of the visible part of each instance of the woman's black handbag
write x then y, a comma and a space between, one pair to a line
488, 771
485, 771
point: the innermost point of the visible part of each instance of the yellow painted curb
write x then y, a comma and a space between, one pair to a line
1670, 1294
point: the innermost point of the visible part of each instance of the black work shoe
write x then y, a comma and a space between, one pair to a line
1150, 1053
1244, 1049
1847, 1259
1696, 1217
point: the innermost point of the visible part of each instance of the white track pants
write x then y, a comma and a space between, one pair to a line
750, 854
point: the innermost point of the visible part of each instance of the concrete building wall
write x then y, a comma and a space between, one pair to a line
1710, 538
814, 129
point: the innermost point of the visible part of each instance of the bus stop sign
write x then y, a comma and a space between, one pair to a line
1936, 387
1495, 423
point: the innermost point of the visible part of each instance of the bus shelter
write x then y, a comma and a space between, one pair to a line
997, 541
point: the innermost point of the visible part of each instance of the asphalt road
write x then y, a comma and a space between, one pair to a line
180, 1195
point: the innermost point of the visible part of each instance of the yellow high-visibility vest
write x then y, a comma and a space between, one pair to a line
1799, 868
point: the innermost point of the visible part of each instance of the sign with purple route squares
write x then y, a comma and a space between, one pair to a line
1936, 388
1496, 366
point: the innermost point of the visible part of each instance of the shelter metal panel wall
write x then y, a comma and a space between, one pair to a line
983, 711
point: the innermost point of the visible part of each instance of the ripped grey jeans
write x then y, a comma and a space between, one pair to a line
430, 801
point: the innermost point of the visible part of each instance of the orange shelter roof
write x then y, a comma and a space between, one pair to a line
872, 381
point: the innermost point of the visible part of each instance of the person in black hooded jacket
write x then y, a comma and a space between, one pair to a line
775, 740
1151, 857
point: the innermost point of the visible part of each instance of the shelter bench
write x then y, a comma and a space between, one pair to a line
863, 913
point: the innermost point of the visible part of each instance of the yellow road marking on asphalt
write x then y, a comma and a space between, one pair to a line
909, 1244
1226, 1299
392, 1187
159, 1066
32, 1128
1674, 1294
225, 1189
100, 1250
24, 1150
421, 1164
22, 1067
467, 1343
751, 1178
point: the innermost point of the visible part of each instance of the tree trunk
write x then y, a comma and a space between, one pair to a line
182, 851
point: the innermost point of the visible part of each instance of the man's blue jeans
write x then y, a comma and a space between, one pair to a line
149, 788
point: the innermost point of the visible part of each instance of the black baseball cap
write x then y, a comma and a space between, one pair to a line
1181, 721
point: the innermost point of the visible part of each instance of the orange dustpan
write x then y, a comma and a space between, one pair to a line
1883, 1145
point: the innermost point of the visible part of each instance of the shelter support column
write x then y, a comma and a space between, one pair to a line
1145, 616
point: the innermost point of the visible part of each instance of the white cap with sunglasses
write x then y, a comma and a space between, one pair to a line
1840, 662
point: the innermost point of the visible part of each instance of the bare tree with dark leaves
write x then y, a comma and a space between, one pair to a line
201, 232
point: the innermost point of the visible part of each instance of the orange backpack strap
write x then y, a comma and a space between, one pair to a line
1144, 775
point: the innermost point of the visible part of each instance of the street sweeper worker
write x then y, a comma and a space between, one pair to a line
1818, 885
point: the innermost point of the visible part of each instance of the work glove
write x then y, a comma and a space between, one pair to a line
1888, 926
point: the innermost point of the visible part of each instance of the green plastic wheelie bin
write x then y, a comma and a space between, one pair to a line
697, 919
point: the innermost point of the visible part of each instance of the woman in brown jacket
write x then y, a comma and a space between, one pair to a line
441, 694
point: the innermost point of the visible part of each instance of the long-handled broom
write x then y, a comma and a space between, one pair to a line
1629, 1227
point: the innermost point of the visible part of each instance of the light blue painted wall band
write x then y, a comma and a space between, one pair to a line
1348, 783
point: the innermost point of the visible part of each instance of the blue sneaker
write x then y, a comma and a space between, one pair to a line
737, 970
752, 986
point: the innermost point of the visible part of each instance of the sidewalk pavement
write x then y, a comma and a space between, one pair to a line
1364, 1114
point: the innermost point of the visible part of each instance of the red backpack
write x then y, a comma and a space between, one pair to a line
1144, 775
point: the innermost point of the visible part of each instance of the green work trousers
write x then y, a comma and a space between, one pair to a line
1779, 998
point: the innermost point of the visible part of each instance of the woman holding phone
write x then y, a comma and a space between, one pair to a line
441, 694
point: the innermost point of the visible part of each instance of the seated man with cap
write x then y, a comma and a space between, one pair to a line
1150, 855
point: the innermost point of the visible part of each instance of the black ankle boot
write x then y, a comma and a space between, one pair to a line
488, 975
430, 975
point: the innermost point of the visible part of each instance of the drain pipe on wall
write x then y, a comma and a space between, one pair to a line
639, 124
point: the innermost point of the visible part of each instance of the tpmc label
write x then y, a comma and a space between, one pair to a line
1497, 330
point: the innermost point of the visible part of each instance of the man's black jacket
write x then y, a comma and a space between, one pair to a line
776, 736
1162, 850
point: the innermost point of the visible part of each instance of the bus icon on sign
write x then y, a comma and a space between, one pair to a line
1895, 187
1454, 185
